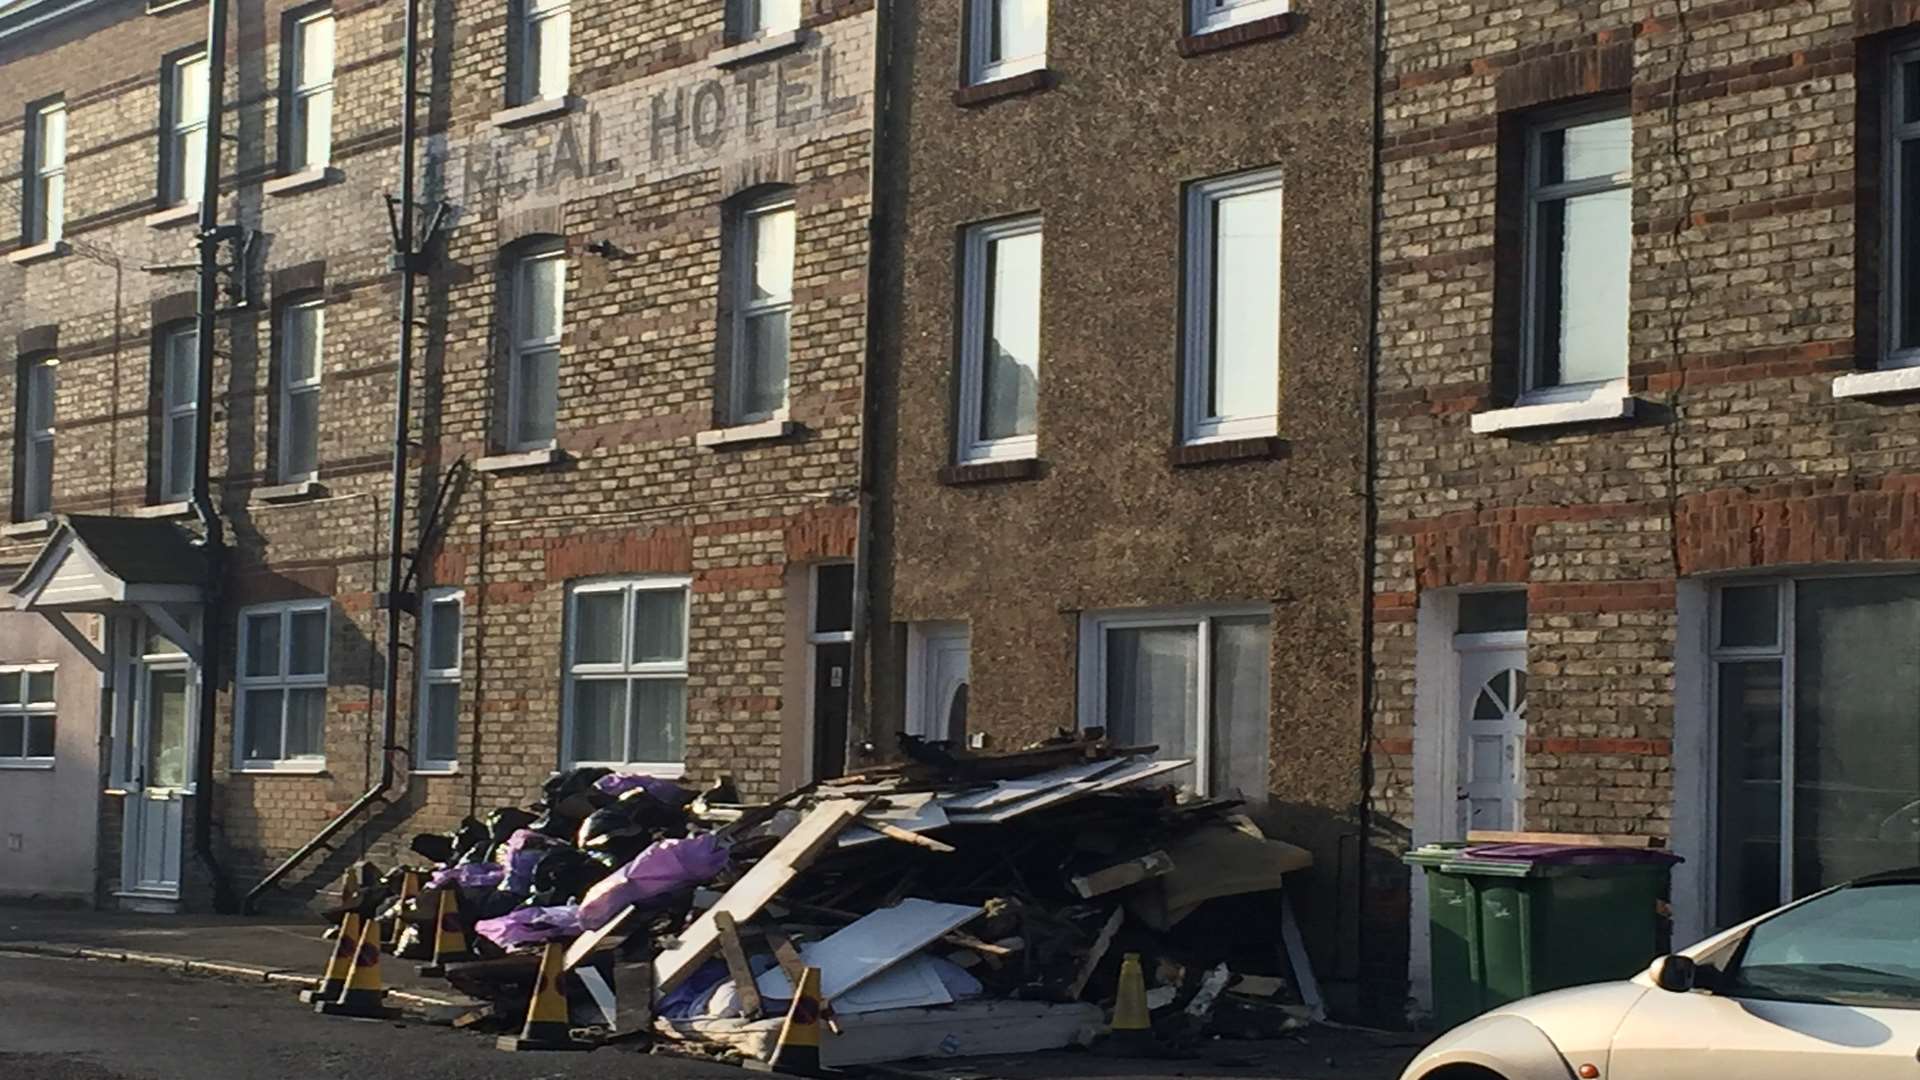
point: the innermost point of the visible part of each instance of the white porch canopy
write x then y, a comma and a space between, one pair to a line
104, 565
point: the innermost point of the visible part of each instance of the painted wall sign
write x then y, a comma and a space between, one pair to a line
696, 117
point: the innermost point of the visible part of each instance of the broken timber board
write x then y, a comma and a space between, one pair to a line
786, 956
1119, 876
895, 832
1094, 955
737, 967
757, 886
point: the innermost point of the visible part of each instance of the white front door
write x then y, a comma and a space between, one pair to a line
1492, 731
937, 674
159, 776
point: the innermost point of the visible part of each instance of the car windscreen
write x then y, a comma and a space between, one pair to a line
1857, 946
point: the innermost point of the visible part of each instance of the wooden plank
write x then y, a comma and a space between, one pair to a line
872, 944
786, 955
1094, 955
1119, 876
895, 832
1494, 836
773, 872
610, 936
737, 966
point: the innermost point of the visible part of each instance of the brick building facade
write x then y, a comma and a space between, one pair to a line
1646, 469
637, 406
1115, 491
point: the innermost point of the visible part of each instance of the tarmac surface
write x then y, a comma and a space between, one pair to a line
213, 998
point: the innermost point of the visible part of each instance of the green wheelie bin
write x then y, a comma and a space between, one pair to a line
1511, 920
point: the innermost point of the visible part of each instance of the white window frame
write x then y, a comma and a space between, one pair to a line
1203, 200
38, 375
1895, 297
1206, 16
975, 336
283, 681
746, 308
1094, 627
439, 676
626, 669
27, 711
174, 488
291, 389
981, 67
521, 344
182, 128
539, 17
757, 21
46, 180
303, 91
1532, 390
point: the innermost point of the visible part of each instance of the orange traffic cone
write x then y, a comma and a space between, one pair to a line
449, 938
365, 994
797, 1053
335, 979
548, 1027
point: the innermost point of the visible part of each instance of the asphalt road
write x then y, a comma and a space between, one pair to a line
84, 1020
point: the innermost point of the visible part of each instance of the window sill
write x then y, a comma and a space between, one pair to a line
658, 770
36, 527
759, 48
28, 764
534, 111
1222, 451
991, 472
304, 180
741, 434
163, 510
282, 768
983, 93
1868, 384
286, 493
523, 459
1596, 409
173, 215
1228, 37
27, 256
437, 770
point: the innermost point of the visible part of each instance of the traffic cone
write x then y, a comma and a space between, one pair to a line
548, 1026
390, 926
338, 964
365, 993
1132, 1027
402, 915
797, 1053
449, 938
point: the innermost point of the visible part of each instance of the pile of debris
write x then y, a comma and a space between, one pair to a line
962, 903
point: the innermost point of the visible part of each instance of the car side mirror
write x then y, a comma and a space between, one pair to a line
1675, 974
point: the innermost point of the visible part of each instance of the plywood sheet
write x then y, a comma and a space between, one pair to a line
870, 945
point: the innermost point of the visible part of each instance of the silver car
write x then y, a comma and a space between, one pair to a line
1828, 986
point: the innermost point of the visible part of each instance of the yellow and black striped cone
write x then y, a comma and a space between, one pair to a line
449, 937
420, 945
334, 980
548, 1026
798, 1051
365, 995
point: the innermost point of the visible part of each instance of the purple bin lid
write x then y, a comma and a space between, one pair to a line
1572, 854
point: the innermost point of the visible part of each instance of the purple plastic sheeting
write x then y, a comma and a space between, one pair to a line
666, 866
522, 853
668, 792
1572, 855
470, 876
527, 926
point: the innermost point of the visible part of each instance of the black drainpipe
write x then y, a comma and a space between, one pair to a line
213, 539
409, 263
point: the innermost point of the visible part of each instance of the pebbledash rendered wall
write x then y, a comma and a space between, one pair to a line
662, 126
1754, 286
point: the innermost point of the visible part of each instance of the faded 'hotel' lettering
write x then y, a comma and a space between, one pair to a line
662, 126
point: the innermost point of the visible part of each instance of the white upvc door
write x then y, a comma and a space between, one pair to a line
1685, 1036
160, 775
938, 669
1492, 730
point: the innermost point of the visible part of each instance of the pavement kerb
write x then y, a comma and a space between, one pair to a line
423, 1006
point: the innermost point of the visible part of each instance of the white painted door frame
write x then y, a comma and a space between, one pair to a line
151, 815
939, 661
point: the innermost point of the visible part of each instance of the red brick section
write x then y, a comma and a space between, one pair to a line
1472, 555
1852, 521
1558, 598
660, 551
831, 533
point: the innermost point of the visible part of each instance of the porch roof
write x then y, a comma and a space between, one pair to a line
92, 563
